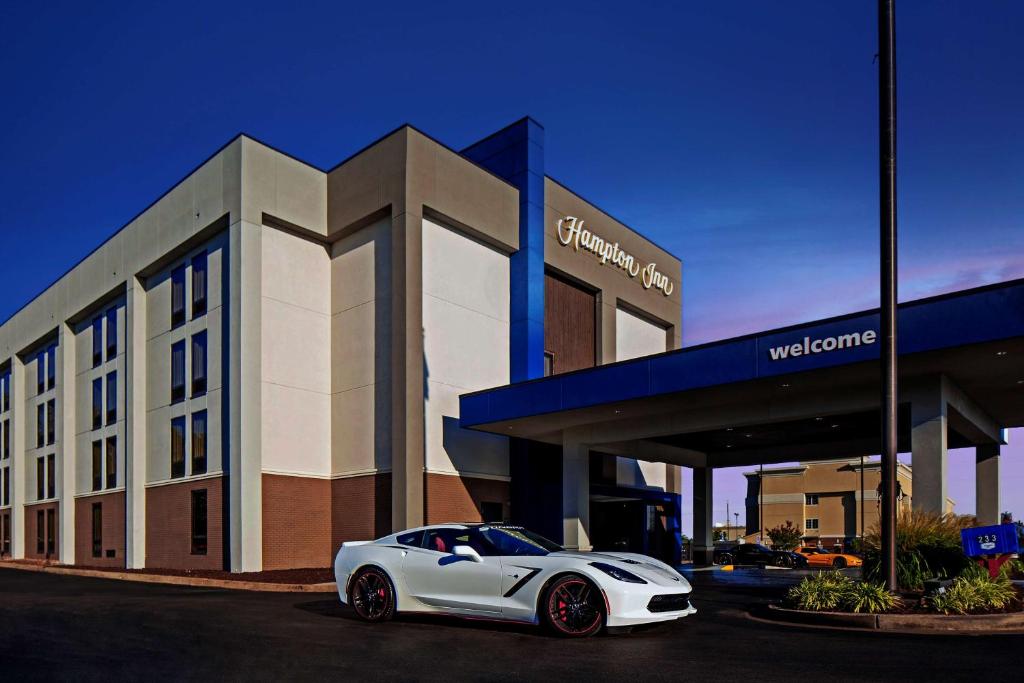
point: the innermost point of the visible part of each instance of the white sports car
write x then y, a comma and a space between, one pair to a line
499, 571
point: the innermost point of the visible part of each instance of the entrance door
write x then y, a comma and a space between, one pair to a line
435, 576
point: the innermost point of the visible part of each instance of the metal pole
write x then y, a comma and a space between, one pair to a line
887, 262
862, 502
760, 502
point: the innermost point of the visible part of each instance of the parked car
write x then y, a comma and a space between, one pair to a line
755, 554
500, 571
819, 557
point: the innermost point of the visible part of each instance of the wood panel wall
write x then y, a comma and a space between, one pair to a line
570, 324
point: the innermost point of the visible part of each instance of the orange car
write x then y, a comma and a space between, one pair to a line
819, 557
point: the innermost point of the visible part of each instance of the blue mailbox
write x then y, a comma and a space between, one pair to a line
999, 539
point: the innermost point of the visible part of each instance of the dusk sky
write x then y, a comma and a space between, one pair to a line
741, 136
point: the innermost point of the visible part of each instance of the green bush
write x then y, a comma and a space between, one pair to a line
834, 591
927, 546
971, 594
785, 536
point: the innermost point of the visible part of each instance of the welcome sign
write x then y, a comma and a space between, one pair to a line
572, 233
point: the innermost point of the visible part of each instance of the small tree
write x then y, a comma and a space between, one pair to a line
785, 536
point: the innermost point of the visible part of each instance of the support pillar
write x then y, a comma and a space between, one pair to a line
135, 425
66, 431
986, 484
928, 442
575, 495
703, 545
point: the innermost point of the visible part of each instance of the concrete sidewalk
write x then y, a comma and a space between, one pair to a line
173, 580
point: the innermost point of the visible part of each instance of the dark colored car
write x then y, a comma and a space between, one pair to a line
755, 554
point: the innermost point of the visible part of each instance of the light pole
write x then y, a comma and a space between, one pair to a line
737, 516
887, 263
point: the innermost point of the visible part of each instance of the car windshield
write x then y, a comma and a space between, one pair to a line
514, 540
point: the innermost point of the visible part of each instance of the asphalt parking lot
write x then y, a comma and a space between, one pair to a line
72, 628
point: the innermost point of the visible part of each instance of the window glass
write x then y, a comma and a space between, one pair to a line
51, 421
178, 296
97, 342
40, 373
51, 531
111, 398
40, 478
414, 539
111, 334
199, 363
40, 424
97, 465
97, 529
178, 372
7, 392
51, 367
199, 442
5, 493
199, 522
512, 540
40, 532
97, 403
51, 476
111, 462
5, 447
178, 447
198, 285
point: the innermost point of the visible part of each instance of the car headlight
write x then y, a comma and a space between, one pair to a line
616, 573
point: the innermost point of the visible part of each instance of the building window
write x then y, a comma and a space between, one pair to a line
178, 296
51, 531
111, 398
111, 462
40, 532
97, 529
549, 363
199, 522
7, 392
111, 334
97, 403
41, 373
51, 421
811, 499
97, 342
177, 447
7, 534
51, 478
199, 442
811, 523
198, 285
178, 371
40, 424
51, 367
5, 492
97, 465
199, 363
40, 478
6, 445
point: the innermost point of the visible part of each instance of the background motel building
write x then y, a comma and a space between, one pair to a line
268, 360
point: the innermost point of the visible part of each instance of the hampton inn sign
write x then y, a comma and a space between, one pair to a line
572, 232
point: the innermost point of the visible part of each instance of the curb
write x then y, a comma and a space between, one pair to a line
196, 581
979, 624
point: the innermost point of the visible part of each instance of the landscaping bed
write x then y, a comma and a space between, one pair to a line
310, 576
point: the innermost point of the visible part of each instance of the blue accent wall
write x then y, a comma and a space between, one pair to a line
516, 153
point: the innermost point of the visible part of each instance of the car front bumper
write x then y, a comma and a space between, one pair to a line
633, 607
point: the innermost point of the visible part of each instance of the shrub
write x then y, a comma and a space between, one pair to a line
871, 598
971, 594
927, 545
785, 536
832, 591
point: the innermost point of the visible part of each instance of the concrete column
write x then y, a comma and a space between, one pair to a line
19, 470
928, 441
986, 483
575, 495
245, 485
407, 372
135, 452
703, 547
66, 431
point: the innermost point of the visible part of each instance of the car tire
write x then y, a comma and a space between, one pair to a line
724, 559
784, 561
573, 607
371, 595
839, 563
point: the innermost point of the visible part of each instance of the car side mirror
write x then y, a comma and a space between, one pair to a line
467, 552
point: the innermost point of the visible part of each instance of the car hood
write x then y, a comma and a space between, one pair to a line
647, 568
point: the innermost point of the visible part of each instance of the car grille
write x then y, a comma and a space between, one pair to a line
669, 603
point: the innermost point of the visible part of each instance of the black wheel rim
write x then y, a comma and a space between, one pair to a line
573, 606
371, 595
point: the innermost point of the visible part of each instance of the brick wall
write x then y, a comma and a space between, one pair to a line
360, 508
112, 532
31, 545
169, 526
457, 499
296, 522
